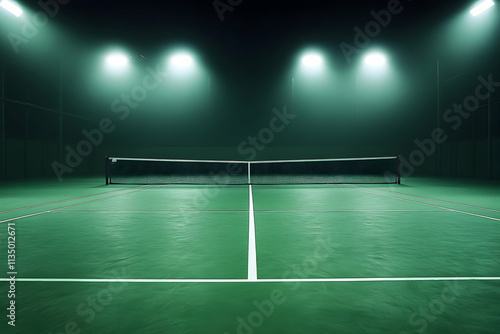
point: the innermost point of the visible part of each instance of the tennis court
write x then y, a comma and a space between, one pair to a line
390, 258
250, 167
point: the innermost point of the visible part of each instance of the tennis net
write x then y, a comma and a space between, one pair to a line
205, 172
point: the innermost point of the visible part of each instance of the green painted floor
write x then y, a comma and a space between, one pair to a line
80, 229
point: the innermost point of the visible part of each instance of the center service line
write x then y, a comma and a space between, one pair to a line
252, 250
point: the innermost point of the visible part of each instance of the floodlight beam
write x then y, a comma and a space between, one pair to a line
182, 60
117, 60
11, 7
312, 60
482, 7
375, 59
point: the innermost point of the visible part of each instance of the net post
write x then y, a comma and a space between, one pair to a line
249, 180
106, 167
398, 168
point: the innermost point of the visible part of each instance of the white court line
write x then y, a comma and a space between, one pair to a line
100, 199
439, 200
272, 280
69, 206
431, 205
151, 211
65, 200
252, 250
34, 214
327, 211
231, 211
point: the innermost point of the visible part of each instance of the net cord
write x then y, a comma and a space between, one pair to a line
253, 162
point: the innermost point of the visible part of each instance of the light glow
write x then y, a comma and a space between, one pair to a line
312, 60
182, 60
117, 60
482, 7
375, 59
12, 7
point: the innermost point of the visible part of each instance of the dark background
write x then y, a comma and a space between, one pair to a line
249, 59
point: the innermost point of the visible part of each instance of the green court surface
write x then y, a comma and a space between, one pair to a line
422, 257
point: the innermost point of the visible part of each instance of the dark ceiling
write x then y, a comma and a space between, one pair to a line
252, 28
249, 54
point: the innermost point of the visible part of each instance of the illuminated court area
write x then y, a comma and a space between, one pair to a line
266, 259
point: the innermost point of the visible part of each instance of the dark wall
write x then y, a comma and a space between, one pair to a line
249, 61
31, 128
